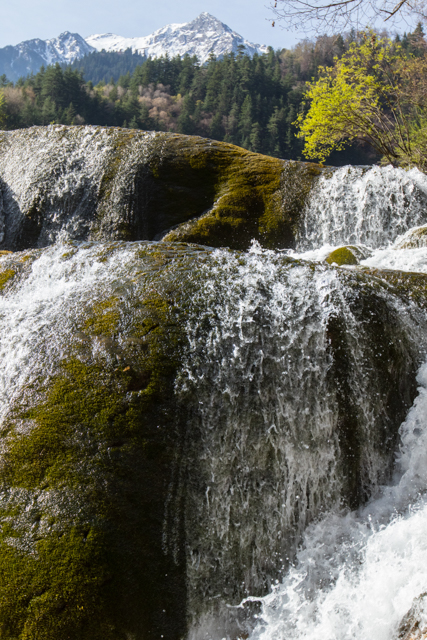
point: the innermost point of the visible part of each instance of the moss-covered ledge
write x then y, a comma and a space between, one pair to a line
252, 196
107, 183
89, 454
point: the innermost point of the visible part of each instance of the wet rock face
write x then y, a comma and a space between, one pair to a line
90, 446
79, 183
413, 239
413, 625
157, 460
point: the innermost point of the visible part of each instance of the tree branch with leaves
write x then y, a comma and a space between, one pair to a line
373, 94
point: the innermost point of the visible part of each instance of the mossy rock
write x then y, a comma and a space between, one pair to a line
410, 287
413, 239
255, 197
90, 461
348, 255
100, 458
391, 377
95, 183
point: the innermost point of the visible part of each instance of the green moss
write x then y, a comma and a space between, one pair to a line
412, 287
68, 254
5, 277
194, 190
105, 317
101, 437
416, 239
254, 197
342, 256
162, 184
55, 591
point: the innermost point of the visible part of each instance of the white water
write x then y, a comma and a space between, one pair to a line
361, 205
39, 315
373, 563
358, 574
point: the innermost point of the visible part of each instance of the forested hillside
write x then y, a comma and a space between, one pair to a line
250, 102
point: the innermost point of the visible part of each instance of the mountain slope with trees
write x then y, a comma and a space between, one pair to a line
250, 102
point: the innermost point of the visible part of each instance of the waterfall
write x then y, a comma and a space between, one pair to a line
248, 436
363, 205
272, 453
357, 575
362, 573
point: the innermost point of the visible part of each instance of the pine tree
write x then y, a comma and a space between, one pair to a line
245, 123
53, 85
49, 112
255, 138
69, 114
216, 130
185, 123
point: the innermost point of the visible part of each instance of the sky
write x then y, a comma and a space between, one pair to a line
26, 19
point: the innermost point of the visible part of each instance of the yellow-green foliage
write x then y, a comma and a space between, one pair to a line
369, 94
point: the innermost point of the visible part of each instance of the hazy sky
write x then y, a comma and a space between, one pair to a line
26, 19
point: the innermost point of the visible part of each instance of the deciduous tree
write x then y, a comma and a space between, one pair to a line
373, 94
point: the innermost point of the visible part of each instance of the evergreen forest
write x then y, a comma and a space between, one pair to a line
250, 102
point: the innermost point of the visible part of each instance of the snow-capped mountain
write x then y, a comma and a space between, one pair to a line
30, 55
201, 37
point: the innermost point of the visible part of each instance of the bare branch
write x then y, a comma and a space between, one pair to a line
328, 16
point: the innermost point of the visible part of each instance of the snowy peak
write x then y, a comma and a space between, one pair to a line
201, 37
30, 55
69, 46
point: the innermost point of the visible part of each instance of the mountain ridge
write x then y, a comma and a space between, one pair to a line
28, 56
202, 37
181, 39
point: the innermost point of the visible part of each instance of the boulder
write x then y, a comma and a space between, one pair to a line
94, 183
413, 626
172, 418
413, 239
348, 255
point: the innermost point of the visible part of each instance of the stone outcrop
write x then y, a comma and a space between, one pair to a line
94, 183
112, 518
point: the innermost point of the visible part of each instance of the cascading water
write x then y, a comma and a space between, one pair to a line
362, 573
283, 451
363, 205
357, 575
277, 444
